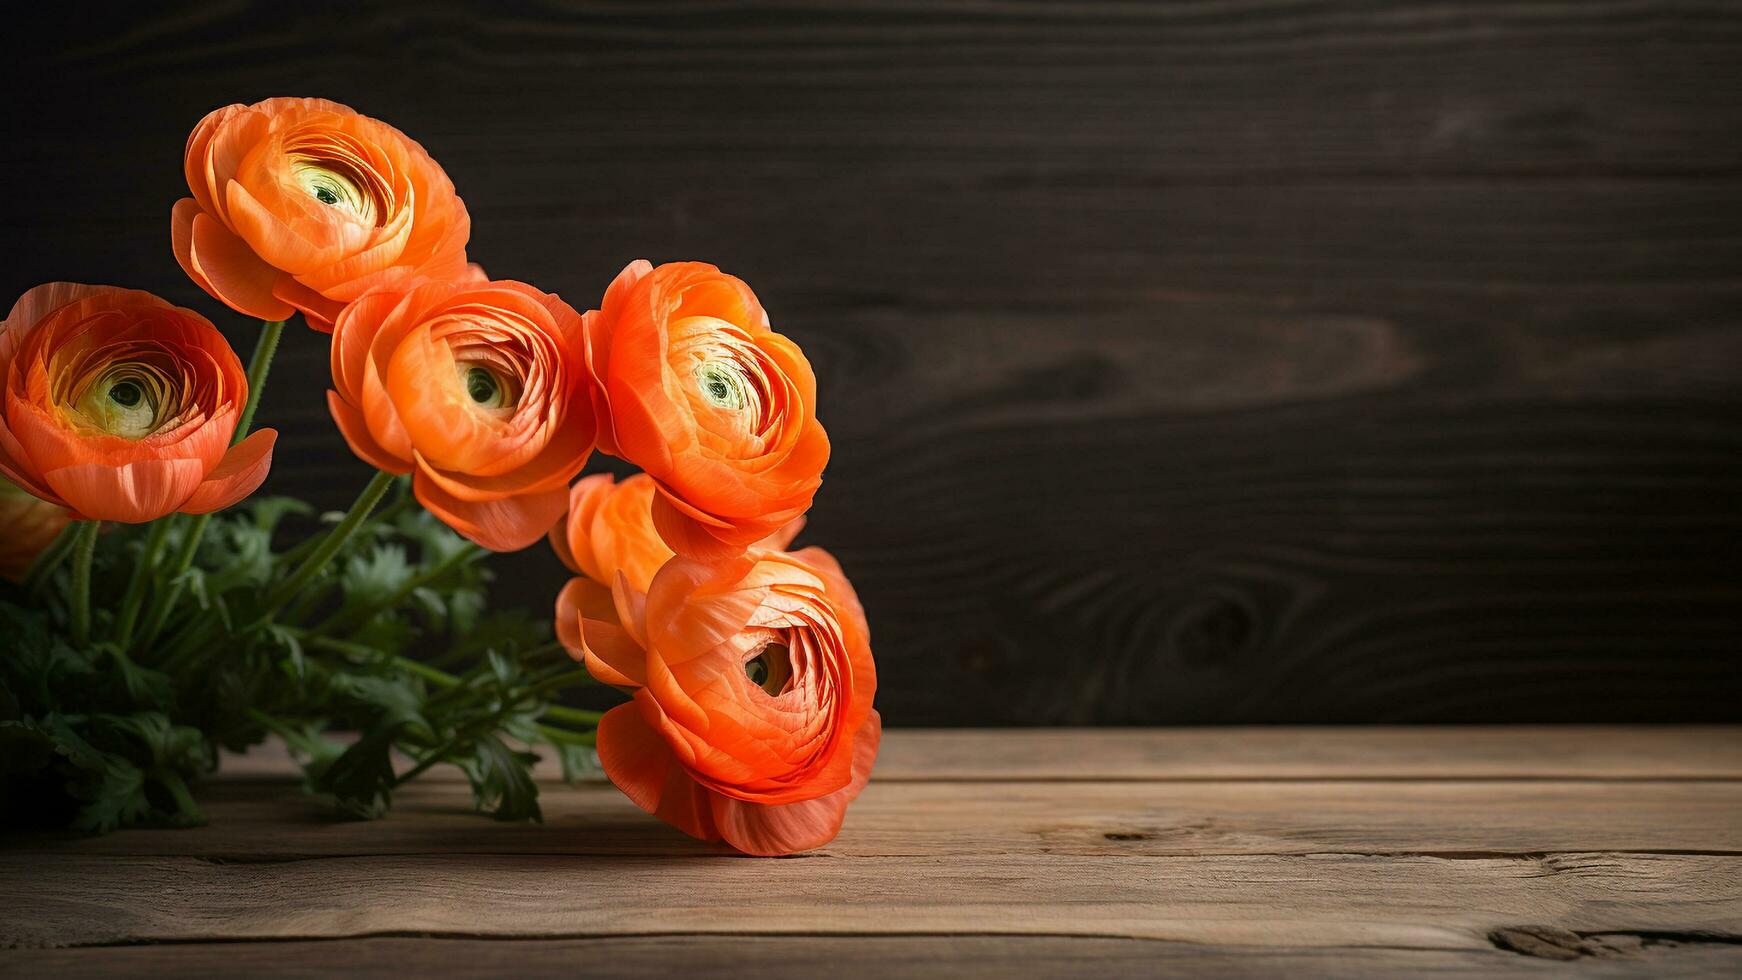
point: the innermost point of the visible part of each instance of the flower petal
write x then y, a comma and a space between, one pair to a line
787, 828
224, 265
505, 524
134, 493
237, 475
640, 763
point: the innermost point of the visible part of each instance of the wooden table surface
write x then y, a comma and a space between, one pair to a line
1478, 851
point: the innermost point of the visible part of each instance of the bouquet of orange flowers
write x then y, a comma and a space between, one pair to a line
152, 617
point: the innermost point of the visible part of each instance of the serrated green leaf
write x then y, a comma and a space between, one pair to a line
373, 577
579, 762
361, 780
268, 512
286, 639
502, 780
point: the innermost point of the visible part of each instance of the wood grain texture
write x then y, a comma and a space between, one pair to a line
1253, 900
254, 822
1033, 873
1366, 752
804, 958
1214, 362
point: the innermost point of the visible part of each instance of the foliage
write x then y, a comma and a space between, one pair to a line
390, 639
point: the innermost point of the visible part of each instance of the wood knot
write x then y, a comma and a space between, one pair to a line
1213, 629
1555, 943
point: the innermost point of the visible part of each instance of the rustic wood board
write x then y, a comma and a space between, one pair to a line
1257, 361
1472, 856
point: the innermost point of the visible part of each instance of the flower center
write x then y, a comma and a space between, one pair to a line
771, 668
486, 389
127, 401
333, 187
721, 386
125, 394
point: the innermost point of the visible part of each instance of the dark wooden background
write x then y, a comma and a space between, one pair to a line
1200, 362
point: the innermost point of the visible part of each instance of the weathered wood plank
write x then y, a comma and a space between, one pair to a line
1261, 90
1311, 900
1654, 752
273, 821
1448, 452
808, 957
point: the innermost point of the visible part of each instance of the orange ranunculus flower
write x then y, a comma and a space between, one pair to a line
302, 204
716, 407
609, 529
28, 524
120, 407
752, 682
479, 389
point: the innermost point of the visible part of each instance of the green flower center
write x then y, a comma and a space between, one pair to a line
721, 386
771, 668
125, 394
334, 188
129, 401
486, 388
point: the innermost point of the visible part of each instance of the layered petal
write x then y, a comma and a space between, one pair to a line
304, 204
118, 406
752, 684
479, 387
237, 475
717, 408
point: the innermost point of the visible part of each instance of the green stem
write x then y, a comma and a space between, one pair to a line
578, 716
555, 734
162, 607
83, 548
142, 573
346, 620
258, 365
178, 789
439, 678
198, 633
427, 761
51, 557
271, 724
329, 546
572, 678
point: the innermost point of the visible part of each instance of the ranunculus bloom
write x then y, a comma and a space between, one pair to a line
302, 204
752, 683
716, 407
478, 389
28, 524
120, 407
609, 529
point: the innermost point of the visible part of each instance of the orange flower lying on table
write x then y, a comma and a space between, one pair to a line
718, 409
478, 389
28, 524
609, 529
120, 407
752, 682
303, 204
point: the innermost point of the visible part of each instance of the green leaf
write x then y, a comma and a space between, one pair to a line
286, 639
580, 762
269, 511
114, 797
436, 540
372, 578
144, 687
502, 780
361, 779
